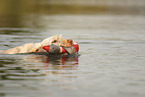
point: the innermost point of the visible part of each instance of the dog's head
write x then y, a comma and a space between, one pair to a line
58, 40
67, 42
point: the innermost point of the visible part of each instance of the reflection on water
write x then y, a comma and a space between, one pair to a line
22, 71
53, 62
33, 66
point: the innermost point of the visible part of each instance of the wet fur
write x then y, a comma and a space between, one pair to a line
35, 47
67, 43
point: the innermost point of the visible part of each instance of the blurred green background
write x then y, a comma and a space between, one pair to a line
12, 11
18, 7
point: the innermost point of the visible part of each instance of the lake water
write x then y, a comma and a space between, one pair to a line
111, 63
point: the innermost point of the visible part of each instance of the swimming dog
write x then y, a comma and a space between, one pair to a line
35, 47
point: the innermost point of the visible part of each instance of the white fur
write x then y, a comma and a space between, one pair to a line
48, 41
33, 47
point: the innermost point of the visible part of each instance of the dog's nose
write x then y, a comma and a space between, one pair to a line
46, 48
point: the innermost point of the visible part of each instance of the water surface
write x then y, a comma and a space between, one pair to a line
111, 63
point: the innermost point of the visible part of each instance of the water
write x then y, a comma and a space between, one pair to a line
111, 63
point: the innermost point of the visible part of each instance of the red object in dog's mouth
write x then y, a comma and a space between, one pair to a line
46, 48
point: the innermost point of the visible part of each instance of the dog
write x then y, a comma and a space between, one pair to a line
35, 47
67, 43
58, 40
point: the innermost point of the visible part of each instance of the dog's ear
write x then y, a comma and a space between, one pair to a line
70, 41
